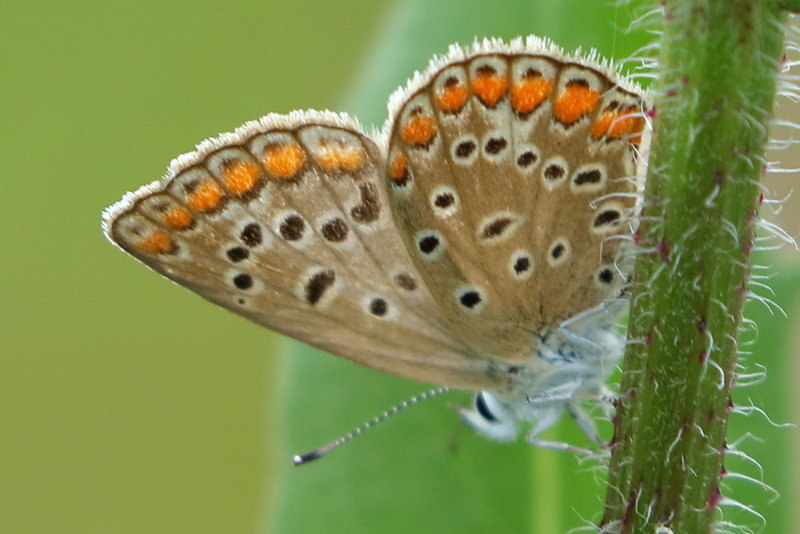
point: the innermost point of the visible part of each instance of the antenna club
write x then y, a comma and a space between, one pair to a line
300, 459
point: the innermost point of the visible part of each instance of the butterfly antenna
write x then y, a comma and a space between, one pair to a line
301, 459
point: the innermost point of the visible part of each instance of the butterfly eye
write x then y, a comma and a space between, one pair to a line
483, 408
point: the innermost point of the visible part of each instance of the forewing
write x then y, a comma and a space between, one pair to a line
287, 222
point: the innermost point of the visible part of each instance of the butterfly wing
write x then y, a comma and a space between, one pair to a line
512, 170
286, 222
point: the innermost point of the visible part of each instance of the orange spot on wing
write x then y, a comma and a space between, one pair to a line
205, 196
336, 158
616, 124
158, 242
488, 86
636, 136
576, 101
239, 177
452, 97
529, 92
399, 168
178, 217
284, 161
603, 123
419, 130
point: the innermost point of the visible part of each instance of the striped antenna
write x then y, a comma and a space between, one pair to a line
301, 459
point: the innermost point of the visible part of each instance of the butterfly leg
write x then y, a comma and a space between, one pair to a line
547, 419
605, 401
585, 422
561, 446
563, 392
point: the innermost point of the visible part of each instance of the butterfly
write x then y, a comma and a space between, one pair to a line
476, 242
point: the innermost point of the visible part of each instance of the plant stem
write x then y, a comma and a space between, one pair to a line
790, 5
718, 68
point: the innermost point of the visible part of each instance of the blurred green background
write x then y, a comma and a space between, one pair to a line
129, 405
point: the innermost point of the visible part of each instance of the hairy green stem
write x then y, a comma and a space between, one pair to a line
718, 68
790, 5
